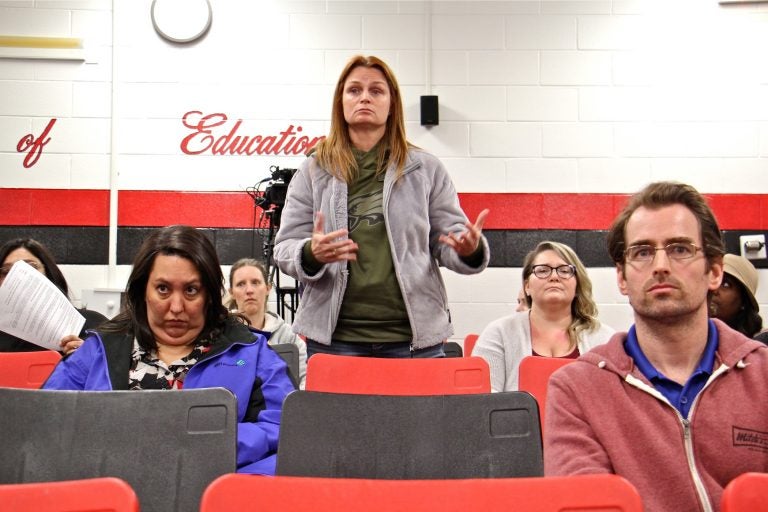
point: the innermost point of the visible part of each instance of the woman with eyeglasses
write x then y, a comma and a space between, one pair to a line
561, 322
39, 257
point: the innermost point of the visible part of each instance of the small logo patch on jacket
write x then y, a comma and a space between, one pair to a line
752, 439
239, 362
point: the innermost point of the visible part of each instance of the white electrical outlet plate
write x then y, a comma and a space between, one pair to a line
753, 255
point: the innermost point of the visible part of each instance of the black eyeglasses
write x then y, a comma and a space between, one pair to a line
675, 251
563, 271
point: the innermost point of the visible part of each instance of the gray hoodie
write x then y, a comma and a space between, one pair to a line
418, 208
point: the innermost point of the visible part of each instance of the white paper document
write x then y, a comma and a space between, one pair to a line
33, 309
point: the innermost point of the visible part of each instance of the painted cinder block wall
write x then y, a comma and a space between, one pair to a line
551, 112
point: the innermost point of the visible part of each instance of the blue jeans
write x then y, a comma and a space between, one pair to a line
390, 350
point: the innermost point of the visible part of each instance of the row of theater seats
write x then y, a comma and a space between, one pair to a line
333, 374
243, 493
386, 424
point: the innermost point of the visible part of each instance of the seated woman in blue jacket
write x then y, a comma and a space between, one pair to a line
175, 333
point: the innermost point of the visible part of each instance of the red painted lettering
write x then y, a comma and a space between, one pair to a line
35, 146
227, 142
201, 139
204, 139
300, 146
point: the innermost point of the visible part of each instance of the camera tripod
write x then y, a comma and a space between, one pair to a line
287, 297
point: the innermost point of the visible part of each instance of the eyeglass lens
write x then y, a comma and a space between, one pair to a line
544, 271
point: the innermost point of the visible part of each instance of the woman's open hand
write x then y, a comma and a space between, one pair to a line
327, 248
466, 242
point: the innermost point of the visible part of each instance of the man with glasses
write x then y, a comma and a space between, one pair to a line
676, 405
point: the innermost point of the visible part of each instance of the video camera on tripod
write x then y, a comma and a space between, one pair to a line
277, 189
271, 202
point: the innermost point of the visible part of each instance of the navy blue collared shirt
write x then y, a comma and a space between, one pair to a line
681, 397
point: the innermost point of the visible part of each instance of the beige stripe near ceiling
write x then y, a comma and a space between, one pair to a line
40, 42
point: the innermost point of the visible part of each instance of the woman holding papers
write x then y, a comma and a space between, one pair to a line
39, 257
174, 332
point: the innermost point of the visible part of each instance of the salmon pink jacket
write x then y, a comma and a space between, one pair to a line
604, 416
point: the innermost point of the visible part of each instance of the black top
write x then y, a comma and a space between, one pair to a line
762, 336
9, 343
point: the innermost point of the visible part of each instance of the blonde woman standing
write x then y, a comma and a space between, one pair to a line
368, 221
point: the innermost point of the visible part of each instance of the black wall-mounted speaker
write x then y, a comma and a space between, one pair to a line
430, 115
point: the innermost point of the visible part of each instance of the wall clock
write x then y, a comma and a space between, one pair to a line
181, 21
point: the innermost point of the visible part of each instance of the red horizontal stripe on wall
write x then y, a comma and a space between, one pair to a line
544, 211
150, 208
740, 211
199, 209
53, 207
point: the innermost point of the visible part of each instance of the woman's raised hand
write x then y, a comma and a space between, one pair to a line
327, 248
466, 242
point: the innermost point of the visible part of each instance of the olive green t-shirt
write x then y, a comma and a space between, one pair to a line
373, 310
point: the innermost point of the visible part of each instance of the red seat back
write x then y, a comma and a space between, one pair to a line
469, 344
235, 492
534, 376
746, 493
380, 376
26, 369
89, 495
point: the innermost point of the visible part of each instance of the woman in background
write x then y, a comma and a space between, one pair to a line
175, 333
249, 290
561, 322
522, 301
734, 302
368, 221
40, 258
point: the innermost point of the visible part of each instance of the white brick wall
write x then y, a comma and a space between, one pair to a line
541, 32
599, 96
526, 174
577, 139
575, 67
505, 139
467, 32
503, 68
542, 104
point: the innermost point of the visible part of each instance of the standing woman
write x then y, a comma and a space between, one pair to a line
40, 258
368, 221
175, 333
562, 320
249, 290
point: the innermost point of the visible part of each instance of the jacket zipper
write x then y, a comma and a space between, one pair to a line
337, 294
686, 424
388, 185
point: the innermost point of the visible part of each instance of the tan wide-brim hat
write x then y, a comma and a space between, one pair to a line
743, 270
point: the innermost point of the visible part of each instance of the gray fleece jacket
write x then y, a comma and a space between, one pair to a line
418, 208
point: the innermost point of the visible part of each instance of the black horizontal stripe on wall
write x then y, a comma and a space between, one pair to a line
77, 245
70, 245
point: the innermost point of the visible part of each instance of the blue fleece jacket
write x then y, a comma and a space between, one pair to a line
240, 361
